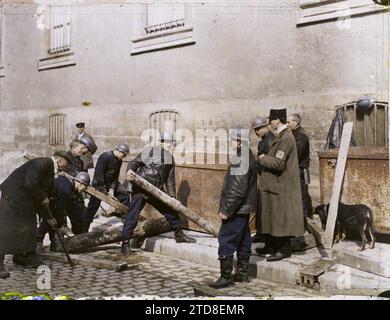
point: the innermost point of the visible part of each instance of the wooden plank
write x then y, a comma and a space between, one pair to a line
91, 190
316, 230
337, 184
86, 261
172, 203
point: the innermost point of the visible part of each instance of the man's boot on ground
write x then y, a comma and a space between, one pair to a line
241, 274
4, 273
180, 236
33, 260
126, 248
226, 278
19, 259
283, 251
269, 247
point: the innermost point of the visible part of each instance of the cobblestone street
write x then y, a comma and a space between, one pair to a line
149, 275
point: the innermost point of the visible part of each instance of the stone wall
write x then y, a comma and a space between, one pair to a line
246, 59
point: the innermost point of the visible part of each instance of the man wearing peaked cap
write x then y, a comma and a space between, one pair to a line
87, 140
282, 214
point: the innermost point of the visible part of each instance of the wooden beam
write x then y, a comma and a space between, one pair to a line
86, 261
337, 184
174, 204
315, 230
85, 241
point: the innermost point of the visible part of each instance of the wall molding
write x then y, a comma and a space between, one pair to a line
163, 40
57, 61
318, 11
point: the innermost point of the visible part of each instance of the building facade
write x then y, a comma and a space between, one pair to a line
123, 67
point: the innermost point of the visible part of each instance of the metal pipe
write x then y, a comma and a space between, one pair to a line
354, 123
375, 125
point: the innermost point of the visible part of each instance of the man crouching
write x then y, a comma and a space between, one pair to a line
238, 200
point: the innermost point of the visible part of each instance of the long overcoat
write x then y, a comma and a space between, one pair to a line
282, 213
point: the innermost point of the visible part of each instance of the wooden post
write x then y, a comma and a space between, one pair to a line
91, 190
172, 203
337, 184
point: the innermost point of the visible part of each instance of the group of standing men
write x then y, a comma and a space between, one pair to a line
281, 203
52, 189
39, 187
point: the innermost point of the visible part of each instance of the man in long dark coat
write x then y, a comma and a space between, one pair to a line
24, 194
282, 214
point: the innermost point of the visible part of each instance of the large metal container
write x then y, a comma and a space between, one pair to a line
365, 181
198, 187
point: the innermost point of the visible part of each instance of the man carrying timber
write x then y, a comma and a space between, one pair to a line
157, 166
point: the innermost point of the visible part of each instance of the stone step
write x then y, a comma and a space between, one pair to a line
375, 261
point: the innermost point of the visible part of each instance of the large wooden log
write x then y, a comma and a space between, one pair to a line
171, 202
81, 242
91, 190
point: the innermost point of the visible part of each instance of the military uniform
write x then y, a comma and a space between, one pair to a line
105, 177
21, 196
282, 215
303, 150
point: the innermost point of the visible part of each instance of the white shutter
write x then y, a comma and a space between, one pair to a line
59, 30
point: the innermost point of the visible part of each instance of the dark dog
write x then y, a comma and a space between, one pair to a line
357, 216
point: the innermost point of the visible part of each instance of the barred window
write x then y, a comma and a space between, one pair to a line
163, 120
161, 17
57, 129
59, 30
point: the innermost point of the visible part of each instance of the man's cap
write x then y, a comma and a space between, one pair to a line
280, 114
63, 154
80, 125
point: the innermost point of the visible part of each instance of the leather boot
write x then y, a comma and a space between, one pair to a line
4, 273
181, 237
19, 259
33, 260
284, 250
126, 249
268, 246
226, 278
241, 274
